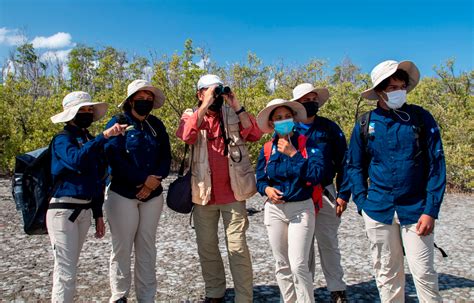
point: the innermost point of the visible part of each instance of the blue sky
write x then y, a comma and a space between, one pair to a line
426, 32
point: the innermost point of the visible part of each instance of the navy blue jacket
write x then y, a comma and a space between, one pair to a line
407, 175
78, 166
143, 151
290, 175
330, 139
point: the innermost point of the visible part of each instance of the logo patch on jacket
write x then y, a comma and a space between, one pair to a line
371, 128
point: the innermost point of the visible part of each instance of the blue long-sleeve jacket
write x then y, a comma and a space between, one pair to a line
407, 175
143, 151
78, 166
330, 139
293, 176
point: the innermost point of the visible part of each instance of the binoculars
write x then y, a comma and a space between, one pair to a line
221, 90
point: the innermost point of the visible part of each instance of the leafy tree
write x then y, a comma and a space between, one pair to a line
32, 91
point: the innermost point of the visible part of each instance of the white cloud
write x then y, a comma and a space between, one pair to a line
55, 41
11, 37
61, 55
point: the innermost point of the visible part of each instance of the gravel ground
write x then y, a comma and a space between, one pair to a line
26, 261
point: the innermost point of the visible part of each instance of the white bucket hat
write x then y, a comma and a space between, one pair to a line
387, 68
306, 88
264, 116
73, 102
208, 81
140, 84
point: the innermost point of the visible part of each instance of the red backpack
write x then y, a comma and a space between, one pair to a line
317, 194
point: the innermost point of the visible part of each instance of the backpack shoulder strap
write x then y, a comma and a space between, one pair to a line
267, 150
364, 121
302, 145
418, 121
419, 128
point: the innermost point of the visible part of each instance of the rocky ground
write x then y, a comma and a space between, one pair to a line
26, 261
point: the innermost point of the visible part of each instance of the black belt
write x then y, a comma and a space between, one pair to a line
77, 208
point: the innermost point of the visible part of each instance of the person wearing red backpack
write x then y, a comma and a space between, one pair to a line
330, 139
288, 178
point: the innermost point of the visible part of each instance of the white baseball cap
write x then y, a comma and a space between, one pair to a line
73, 102
387, 68
140, 84
208, 81
306, 88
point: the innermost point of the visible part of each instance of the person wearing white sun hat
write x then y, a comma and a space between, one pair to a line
287, 171
398, 147
330, 139
138, 161
78, 168
222, 179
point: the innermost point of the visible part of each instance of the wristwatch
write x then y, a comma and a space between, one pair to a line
241, 110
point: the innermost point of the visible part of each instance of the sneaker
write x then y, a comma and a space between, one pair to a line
338, 296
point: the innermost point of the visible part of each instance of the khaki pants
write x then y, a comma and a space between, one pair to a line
234, 217
67, 239
290, 228
133, 223
325, 232
387, 254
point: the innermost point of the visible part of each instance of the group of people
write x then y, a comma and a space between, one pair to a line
394, 168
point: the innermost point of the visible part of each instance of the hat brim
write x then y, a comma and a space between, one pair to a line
263, 116
407, 66
323, 95
100, 108
159, 96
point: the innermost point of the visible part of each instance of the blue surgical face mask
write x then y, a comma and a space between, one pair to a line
284, 127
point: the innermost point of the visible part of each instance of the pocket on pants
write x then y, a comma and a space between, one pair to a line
266, 214
61, 222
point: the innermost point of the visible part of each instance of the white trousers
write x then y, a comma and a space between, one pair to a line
67, 239
133, 223
290, 228
326, 229
386, 245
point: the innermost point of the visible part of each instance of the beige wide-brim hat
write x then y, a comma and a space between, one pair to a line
306, 88
73, 102
387, 68
264, 116
140, 84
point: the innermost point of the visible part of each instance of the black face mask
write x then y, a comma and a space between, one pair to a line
217, 104
142, 107
311, 108
83, 120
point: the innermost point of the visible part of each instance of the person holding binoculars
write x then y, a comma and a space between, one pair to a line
222, 179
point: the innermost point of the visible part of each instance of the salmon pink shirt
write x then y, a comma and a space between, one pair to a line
221, 192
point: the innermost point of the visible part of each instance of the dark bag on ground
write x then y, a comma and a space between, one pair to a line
179, 197
32, 188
